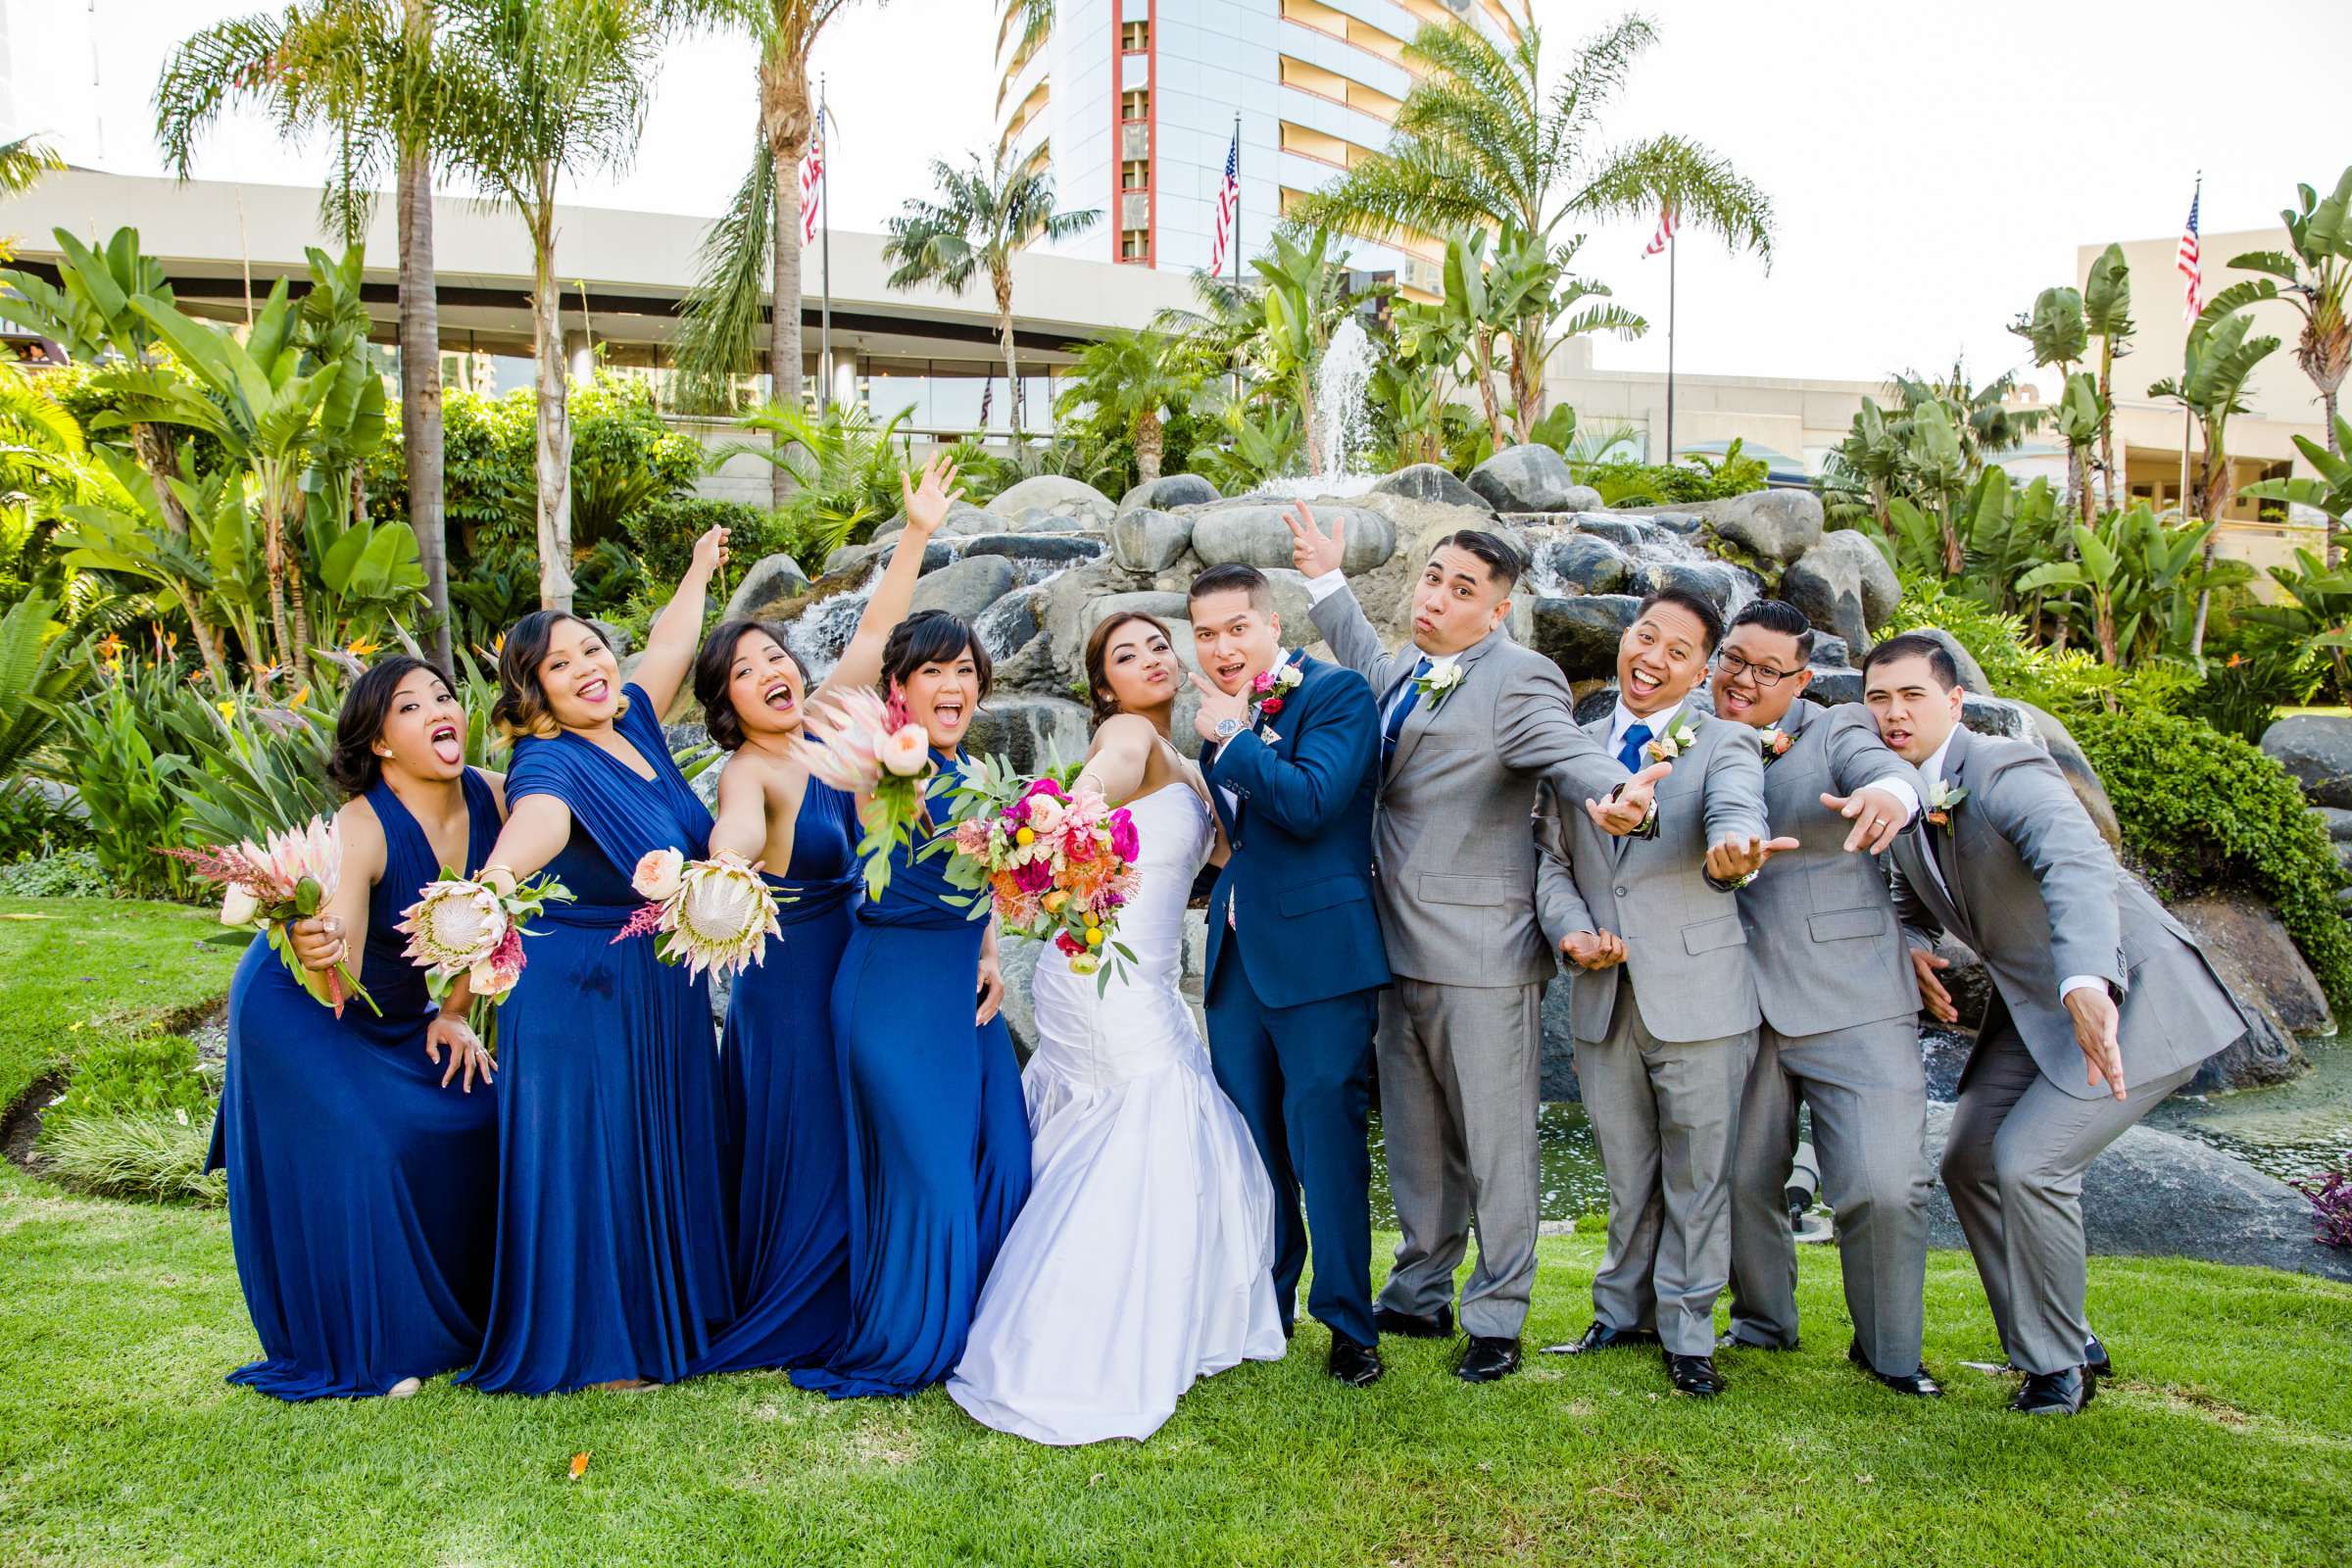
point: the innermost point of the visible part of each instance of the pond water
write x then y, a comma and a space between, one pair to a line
2292, 1130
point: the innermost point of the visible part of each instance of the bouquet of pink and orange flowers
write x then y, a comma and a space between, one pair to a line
466, 927
714, 914
1058, 865
267, 887
854, 741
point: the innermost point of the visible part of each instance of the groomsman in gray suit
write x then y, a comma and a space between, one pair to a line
1841, 1030
2101, 1004
1665, 1008
1470, 722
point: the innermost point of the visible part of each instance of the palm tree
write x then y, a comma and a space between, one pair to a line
1479, 143
1125, 379
2107, 315
1546, 305
984, 214
2314, 275
559, 89
22, 163
2217, 362
760, 231
2056, 333
372, 81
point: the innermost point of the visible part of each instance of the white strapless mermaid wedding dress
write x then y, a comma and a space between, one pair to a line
1144, 1257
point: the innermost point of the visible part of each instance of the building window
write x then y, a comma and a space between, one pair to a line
1136, 105
1135, 245
1135, 37
1135, 175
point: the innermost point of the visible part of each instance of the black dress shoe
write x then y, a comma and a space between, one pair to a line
1732, 1341
1489, 1357
2053, 1393
1356, 1365
1437, 1325
1601, 1337
1918, 1384
2094, 1360
1695, 1375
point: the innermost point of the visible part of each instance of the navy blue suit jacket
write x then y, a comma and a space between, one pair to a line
1300, 880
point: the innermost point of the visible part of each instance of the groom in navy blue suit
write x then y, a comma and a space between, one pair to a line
1294, 957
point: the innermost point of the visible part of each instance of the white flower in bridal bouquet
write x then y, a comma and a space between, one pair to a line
659, 875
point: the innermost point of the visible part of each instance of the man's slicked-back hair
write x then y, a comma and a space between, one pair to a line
1916, 645
1233, 577
1778, 614
1710, 619
1503, 561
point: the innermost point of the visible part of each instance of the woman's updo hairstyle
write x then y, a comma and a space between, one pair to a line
521, 708
1098, 649
352, 763
714, 667
933, 637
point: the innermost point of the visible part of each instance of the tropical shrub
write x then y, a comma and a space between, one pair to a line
1675, 484
46, 871
129, 789
34, 823
2202, 811
148, 1075
664, 534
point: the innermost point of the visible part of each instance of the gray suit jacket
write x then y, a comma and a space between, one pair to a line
1820, 922
1686, 949
2031, 885
1456, 863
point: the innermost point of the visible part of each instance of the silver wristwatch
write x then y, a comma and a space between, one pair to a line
1227, 730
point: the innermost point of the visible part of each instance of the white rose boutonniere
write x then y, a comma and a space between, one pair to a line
1438, 684
1943, 800
1680, 736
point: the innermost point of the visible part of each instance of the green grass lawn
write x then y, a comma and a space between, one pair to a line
2228, 1439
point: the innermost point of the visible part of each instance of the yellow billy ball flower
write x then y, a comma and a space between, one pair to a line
1094, 936
1024, 837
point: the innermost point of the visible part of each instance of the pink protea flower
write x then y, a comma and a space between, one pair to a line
841, 740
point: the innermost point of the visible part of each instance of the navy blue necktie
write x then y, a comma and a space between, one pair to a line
1398, 713
1630, 753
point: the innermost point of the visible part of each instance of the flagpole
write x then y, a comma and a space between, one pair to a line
824, 212
2195, 200
1236, 234
1672, 251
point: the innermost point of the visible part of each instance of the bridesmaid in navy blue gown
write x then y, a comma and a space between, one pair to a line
779, 1077
611, 1227
357, 1183
938, 1139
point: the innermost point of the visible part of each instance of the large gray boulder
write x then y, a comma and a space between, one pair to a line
2317, 747
1719, 582
1590, 562
1839, 583
1778, 526
1168, 491
1147, 539
2080, 776
773, 581
1255, 534
963, 519
1031, 731
2157, 1194
1056, 494
2337, 820
2250, 949
1580, 634
1972, 673
1054, 549
966, 587
1427, 481
1531, 477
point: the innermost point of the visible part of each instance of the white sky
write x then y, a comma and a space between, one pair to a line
1930, 167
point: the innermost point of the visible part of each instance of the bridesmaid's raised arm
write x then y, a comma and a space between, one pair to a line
677, 632
740, 825
927, 505
537, 828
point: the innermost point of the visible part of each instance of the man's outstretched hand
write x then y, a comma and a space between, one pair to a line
1630, 804
1313, 551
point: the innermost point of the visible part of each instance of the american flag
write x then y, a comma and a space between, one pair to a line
1657, 241
813, 181
2186, 259
1229, 201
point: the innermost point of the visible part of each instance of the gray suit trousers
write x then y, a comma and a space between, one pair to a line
1666, 1115
1460, 1083
1870, 1106
2014, 1167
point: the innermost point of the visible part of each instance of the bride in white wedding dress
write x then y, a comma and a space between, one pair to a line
1144, 1257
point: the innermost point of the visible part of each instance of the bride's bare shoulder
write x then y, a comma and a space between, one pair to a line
1125, 733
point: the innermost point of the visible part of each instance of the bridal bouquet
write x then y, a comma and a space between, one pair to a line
461, 927
714, 914
267, 887
1058, 865
855, 741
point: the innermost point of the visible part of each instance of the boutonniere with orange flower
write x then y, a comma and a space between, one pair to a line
1943, 800
1775, 742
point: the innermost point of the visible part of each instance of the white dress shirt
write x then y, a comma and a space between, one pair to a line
1932, 771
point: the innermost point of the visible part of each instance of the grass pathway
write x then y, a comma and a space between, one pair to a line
2228, 1440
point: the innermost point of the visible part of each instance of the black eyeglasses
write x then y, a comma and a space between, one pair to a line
1764, 674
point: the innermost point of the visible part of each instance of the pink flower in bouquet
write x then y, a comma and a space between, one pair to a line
1068, 946
1034, 878
906, 751
1078, 843
495, 975
1123, 842
1044, 786
843, 740
311, 852
659, 875
971, 839
1046, 816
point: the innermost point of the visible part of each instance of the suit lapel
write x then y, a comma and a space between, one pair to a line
1424, 714
1947, 837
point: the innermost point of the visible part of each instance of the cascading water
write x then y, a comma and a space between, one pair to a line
1343, 425
825, 627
